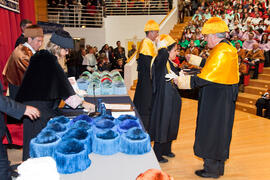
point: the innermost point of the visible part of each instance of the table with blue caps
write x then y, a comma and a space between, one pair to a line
118, 166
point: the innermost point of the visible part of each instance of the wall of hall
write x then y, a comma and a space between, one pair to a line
122, 28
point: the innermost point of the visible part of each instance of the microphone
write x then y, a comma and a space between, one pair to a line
94, 114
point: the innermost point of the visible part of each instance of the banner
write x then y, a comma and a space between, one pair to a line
12, 5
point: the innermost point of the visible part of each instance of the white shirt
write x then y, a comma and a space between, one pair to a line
89, 60
30, 47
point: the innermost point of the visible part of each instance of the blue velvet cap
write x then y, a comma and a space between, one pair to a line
60, 119
44, 144
106, 143
58, 128
104, 125
125, 117
71, 156
82, 117
127, 124
135, 141
81, 124
81, 135
108, 117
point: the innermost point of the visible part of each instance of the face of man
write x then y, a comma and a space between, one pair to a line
118, 44
35, 43
237, 45
211, 40
153, 35
27, 25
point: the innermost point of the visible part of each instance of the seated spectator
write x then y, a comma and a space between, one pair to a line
260, 26
132, 51
120, 67
235, 39
207, 14
192, 49
117, 49
263, 103
265, 46
255, 20
103, 63
198, 34
237, 32
248, 44
188, 34
243, 70
120, 55
254, 57
89, 62
196, 41
240, 51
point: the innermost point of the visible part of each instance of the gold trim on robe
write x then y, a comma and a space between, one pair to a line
147, 48
222, 65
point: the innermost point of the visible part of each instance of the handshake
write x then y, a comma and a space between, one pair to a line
183, 81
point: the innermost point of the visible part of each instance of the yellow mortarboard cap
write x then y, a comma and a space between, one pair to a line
165, 41
214, 25
151, 25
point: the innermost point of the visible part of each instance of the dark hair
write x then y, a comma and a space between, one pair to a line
24, 22
262, 40
170, 47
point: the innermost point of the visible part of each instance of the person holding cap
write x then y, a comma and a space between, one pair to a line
19, 59
218, 82
45, 84
146, 51
166, 101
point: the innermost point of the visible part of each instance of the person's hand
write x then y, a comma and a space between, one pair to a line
32, 112
88, 106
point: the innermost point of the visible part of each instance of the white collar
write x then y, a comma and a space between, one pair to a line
30, 47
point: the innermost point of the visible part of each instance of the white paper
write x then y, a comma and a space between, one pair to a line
118, 106
117, 114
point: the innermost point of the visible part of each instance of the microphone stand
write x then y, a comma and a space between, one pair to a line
94, 114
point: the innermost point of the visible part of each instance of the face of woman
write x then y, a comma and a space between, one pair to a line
173, 53
63, 52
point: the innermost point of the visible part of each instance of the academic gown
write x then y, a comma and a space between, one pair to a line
166, 101
218, 84
216, 108
43, 86
143, 93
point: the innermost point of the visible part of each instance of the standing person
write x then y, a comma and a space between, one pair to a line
23, 24
218, 82
15, 110
166, 101
45, 85
181, 11
19, 59
146, 51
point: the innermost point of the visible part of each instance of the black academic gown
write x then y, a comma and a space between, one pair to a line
143, 93
43, 86
166, 102
215, 118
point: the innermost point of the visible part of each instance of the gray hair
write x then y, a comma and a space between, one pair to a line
221, 35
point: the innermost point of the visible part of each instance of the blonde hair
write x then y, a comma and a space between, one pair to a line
53, 48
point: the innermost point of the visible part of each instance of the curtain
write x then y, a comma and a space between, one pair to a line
9, 32
10, 29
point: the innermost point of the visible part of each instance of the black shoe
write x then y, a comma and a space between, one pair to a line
204, 174
162, 160
170, 154
13, 173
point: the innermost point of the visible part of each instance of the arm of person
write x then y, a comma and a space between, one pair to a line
190, 82
74, 101
17, 110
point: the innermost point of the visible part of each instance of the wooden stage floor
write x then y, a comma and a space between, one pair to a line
249, 152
